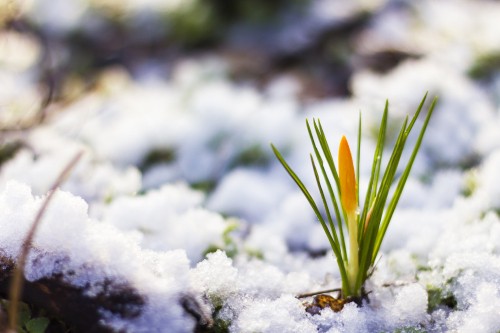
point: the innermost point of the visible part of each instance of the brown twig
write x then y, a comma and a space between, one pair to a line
319, 292
17, 278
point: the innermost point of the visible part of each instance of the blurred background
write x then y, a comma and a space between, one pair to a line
320, 43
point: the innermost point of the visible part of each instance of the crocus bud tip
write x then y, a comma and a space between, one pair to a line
347, 177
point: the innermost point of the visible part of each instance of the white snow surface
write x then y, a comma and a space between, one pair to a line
117, 217
68, 240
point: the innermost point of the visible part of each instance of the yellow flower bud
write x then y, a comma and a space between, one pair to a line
347, 178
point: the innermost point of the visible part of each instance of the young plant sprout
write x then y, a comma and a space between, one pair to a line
366, 226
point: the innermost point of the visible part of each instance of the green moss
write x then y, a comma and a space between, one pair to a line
437, 297
263, 11
470, 183
8, 150
253, 155
194, 23
485, 66
410, 329
156, 156
220, 326
205, 186
212, 249
254, 253
229, 245
423, 268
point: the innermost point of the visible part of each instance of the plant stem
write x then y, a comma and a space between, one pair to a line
353, 265
17, 279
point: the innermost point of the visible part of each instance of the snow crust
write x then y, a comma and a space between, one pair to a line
68, 241
244, 243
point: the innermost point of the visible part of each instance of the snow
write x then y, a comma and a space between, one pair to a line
217, 219
284, 314
215, 275
93, 252
482, 314
92, 180
242, 186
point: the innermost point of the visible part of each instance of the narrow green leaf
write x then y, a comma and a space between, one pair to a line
325, 203
326, 149
303, 189
341, 219
392, 167
402, 181
369, 238
377, 157
335, 247
313, 205
415, 116
331, 193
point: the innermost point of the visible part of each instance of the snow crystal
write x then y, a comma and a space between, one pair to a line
351, 319
415, 229
284, 314
151, 210
488, 179
68, 241
257, 278
91, 180
445, 187
297, 283
215, 275
482, 315
410, 306
272, 246
444, 236
489, 138
294, 220
242, 190
17, 208
168, 218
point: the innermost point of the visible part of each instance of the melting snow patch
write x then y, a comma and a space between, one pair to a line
97, 259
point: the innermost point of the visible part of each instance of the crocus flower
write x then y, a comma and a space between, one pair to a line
347, 178
366, 226
349, 202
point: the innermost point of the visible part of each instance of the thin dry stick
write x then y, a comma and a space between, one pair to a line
17, 278
319, 292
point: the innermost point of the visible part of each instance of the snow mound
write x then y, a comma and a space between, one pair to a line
97, 259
